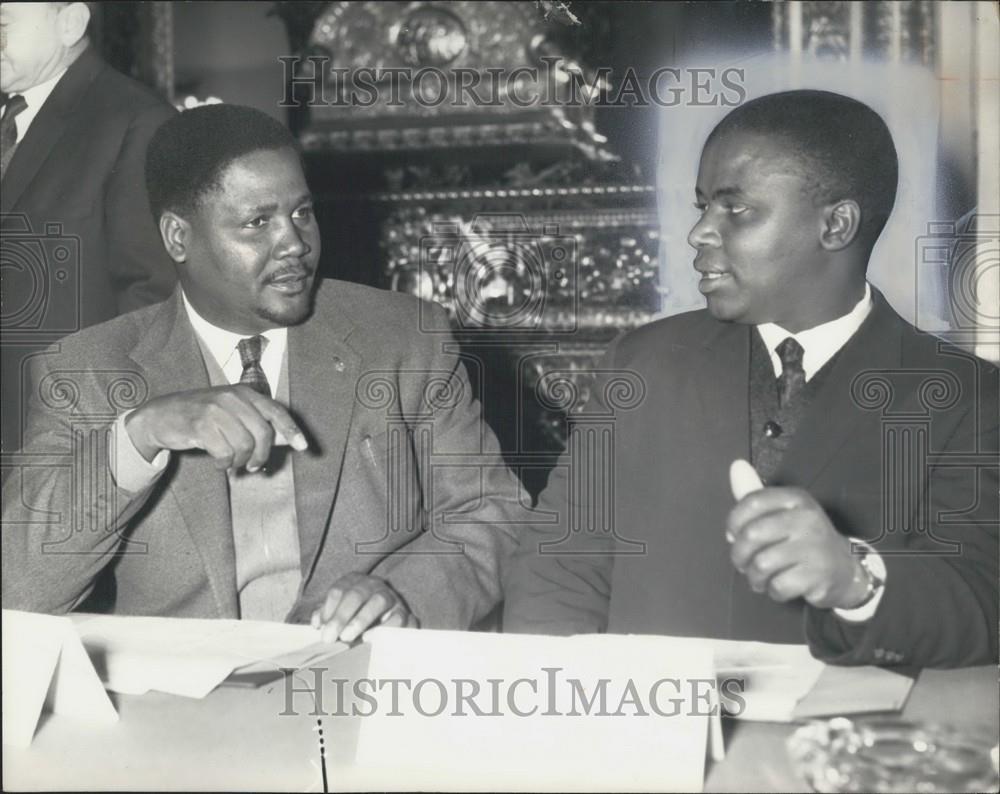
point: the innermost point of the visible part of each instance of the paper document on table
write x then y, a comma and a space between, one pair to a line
783, 683
854, 690
189, 656
294, 660
775, 677
534, 713
44, 664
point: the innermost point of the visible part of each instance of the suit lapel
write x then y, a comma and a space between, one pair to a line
723, 390
171, 361
723, 385
52, 122
831, 419
323, 371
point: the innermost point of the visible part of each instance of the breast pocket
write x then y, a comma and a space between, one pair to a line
389, 455
373, 450
388, 475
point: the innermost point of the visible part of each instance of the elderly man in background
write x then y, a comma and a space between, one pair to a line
79, 244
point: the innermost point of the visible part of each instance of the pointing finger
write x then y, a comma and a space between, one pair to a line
286, 431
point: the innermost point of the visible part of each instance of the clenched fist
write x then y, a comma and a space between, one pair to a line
786, 546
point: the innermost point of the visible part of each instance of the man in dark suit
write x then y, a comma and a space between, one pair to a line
261, 444
79, 244
875, 538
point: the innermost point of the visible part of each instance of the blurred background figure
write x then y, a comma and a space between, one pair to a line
78, 241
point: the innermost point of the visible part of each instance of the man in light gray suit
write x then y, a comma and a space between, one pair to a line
262, 444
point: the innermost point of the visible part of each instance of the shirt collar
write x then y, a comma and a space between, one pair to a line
37, 94
821, 342
222, 343
34, 98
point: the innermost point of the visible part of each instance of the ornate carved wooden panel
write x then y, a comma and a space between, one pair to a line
510, 212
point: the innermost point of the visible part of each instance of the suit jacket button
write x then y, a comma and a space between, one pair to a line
772, 429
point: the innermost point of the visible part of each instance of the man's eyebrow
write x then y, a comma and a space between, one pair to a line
723, 192
260, 209
265, 209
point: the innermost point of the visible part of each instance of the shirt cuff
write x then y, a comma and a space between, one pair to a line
132, 472
867, 610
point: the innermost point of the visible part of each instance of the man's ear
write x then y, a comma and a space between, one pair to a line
73, 21
841, 223
176, 235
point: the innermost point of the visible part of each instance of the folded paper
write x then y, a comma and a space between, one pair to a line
190, 656
45, 665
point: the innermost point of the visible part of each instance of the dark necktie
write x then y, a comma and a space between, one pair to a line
793, 378
8, 129
253, 376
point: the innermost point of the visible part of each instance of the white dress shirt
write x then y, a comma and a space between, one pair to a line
223, 344
131, 470
819, 345
34, 98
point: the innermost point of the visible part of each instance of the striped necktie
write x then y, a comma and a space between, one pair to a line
8, 129
250, 350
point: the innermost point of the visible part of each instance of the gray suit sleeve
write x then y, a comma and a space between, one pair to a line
451, 573
64, 517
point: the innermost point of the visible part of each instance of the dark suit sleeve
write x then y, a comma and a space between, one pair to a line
939, 609
141, 271
560, 580
64, 518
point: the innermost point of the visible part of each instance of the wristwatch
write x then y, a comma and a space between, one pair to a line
873, 567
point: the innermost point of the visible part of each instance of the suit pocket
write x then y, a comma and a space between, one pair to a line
373, 449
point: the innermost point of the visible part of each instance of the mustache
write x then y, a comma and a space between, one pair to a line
290, 272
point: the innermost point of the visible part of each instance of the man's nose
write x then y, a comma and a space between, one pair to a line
291, 242
704, 233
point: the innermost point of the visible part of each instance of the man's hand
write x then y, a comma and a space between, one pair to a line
236, 425
785, 545
355, 603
